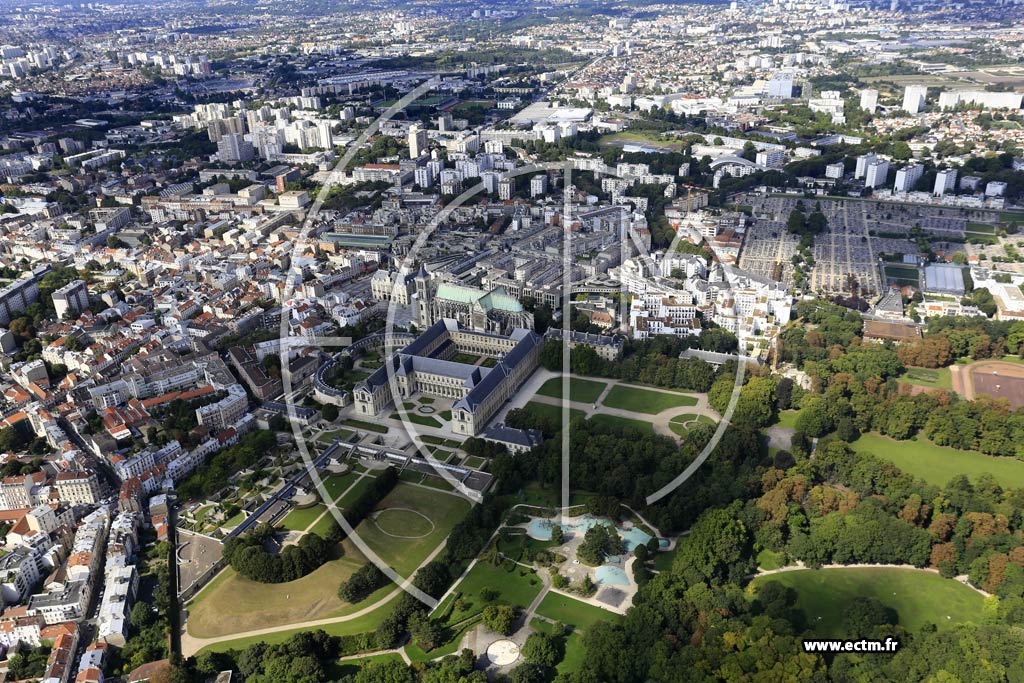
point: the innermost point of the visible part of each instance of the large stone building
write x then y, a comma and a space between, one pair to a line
426, 366
495, 311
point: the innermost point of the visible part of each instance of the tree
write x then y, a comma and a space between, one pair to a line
543, 649
11, 440
814, 419
529, 673
500, 618
797, 223
717, 548
598, 541
329, 412
426, 632
387, 671
557, 534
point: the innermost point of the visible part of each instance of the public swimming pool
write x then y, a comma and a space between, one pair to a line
540, 529
609, 575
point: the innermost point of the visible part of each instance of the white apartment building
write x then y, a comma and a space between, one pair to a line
907, 177
914, 97
877, 174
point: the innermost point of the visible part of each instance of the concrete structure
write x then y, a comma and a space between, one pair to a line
945, 181
877, 174
914, 97
479, 310
417, 141
426, 366
869, 100
907, 177
71, 299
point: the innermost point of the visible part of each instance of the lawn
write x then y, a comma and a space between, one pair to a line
768, 560
335, 485
937, 464
519, 546
424, 420
347, 379
357, 489
516, 586
300, 518
403, 522
787, 418
551, 412
663, 560
341, 434
575, 654
368, 426
573, 612
350, 667
417, 654
644, 400
574, 649
983, 228
616, 421
917, 596
580, 390
232, 604
937, 379
234, 521
367, 622
444, 510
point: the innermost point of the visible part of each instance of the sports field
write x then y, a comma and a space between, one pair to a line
998, 380
918, 597
938, 464
645, 400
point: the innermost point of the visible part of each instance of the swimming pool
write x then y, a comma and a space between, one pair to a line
540, 529
609, 575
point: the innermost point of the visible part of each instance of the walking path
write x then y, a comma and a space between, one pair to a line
962, 578
400, 651
528, 393
190, 645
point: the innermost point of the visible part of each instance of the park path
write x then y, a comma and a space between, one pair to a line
333, 504
958, 375
400, 651
661, 420
190, 644
962, 578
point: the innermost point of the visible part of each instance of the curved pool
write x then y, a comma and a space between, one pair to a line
540, 529
610, 575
